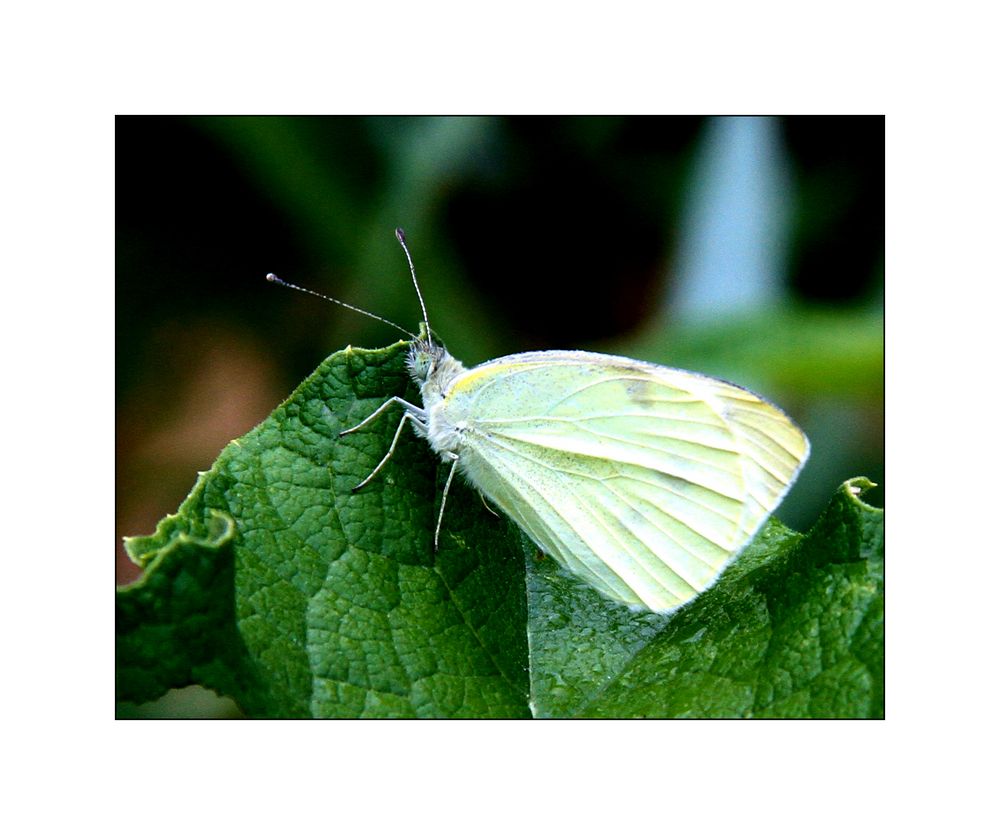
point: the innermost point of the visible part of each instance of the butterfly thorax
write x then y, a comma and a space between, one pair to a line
434, 369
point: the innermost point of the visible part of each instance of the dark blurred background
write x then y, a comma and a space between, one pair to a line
750, 248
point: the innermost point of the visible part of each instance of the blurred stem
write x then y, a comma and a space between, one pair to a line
808, 352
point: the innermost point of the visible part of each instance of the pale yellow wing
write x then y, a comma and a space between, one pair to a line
641, 479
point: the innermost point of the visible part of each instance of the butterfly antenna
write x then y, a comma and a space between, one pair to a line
401, 237
272, 277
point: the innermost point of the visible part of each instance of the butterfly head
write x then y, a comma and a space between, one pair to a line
423, 358
432, 368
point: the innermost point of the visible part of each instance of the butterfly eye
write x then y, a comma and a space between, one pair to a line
421, 364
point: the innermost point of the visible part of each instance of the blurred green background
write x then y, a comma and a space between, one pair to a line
750, 248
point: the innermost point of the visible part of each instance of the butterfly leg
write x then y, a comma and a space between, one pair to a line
413, 411
444, 497
392, 447
486, 504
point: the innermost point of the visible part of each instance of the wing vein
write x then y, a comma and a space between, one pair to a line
522, 487
561, 474
668, 535
635, 558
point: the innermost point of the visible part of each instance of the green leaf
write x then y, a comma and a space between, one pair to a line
793, 628
278, 585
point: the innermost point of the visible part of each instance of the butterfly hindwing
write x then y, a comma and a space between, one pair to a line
641, 479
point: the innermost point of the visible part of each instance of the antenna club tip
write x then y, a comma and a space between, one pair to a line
272, 277
400, 235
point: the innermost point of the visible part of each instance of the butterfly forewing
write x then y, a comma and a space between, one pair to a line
641, 479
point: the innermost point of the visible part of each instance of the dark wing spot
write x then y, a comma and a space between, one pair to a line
642, 392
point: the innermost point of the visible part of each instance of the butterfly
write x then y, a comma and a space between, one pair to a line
642, 480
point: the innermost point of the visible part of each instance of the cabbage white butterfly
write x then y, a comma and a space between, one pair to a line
642, 480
